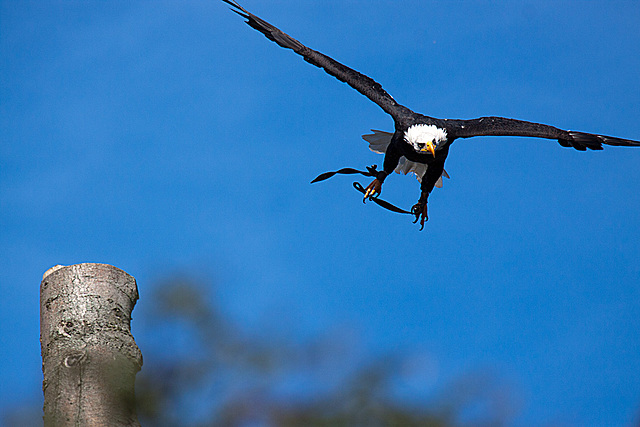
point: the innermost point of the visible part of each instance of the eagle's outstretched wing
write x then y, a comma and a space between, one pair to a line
363, 84
500, 126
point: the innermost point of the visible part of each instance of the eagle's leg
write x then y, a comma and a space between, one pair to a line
420, 210
429, 179
372, 190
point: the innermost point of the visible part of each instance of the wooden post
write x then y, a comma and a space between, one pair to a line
89, 357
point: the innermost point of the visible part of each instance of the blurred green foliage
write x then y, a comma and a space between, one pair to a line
206, 371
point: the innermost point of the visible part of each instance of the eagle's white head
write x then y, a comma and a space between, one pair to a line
426, 138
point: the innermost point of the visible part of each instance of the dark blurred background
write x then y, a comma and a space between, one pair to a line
201, 368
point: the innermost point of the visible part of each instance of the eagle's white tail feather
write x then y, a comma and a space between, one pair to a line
406, 167
378, 143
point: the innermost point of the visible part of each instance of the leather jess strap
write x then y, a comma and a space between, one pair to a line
371, 171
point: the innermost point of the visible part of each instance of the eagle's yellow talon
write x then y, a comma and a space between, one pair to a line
372, 190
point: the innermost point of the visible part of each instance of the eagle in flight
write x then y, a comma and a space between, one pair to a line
420, 143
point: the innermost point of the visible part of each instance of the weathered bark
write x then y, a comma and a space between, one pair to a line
89, 357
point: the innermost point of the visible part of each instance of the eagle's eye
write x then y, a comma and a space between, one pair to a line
420, 144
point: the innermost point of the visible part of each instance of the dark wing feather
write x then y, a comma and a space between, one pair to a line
500, 126
363, 84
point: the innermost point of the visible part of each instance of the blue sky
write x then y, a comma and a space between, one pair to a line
164, 136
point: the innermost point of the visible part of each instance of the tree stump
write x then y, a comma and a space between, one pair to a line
89, 357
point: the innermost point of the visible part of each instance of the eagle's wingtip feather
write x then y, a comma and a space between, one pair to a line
236, 8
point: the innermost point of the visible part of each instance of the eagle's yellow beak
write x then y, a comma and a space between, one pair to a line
430, 148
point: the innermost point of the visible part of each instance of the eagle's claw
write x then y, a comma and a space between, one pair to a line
372, 190
420, 210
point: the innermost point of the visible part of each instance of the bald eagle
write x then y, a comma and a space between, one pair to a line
420, 144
